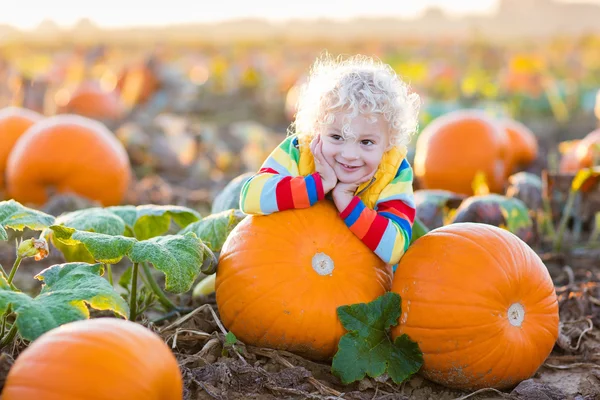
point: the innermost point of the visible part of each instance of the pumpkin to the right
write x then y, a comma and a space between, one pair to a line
480, 304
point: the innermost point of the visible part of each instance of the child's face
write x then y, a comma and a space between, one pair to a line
357, 157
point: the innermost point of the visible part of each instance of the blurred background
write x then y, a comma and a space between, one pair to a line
200, 94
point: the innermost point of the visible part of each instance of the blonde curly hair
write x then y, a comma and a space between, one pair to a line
358, 84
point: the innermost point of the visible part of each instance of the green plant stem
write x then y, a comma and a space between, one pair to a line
162, 298
595, 235
14, 269
3, 271
109, 273
563, 220
9, 336
133, 295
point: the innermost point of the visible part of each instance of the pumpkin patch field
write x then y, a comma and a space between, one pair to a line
128, 270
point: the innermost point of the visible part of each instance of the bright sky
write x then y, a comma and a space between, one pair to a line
113, 13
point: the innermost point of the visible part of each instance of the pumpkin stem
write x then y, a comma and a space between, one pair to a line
162, 298
322, 264
109, 273
13, 270
133, 296
9, 336
516, 314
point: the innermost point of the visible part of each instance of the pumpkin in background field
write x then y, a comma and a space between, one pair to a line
103, 359
68, 153
523, 146
281, 278
480, 304
588, 150
14, 121
453, 148
89, 100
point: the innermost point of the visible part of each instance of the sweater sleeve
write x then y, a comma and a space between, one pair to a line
278, 185
387, 229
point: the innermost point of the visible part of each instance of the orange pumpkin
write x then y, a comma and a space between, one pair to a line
138, 83
89, 100
104, 358
282, 276
523, 146
588, 148
68, 153
480, 303
453, 148
14, 121
569, 163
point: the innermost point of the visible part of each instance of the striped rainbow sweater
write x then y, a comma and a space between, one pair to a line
278, 186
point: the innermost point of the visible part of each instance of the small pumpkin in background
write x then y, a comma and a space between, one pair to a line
281, 278
455, 147
485, 314
68, 153
569, 164
14, 121
526, 187
523, 146
90, 100
587, 151
433, 206
493, 209
103, 358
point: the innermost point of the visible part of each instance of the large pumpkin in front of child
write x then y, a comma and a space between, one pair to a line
480, 303
282, 276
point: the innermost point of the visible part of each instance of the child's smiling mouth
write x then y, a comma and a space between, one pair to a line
349, 167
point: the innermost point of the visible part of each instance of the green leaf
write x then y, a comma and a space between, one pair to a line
95, 219
151, 220
230, 339
103, 248
418, 230
15, 216
66, 292
367, 348
214, 229
179, 257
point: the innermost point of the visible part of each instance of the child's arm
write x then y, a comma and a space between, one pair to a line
278, 185
388, 230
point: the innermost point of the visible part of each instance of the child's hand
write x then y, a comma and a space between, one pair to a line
322, 167
344, 192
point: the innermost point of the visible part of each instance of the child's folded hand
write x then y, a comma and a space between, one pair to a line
344, 192
322, 167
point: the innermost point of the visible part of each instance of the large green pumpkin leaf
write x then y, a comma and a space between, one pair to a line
214, 229
95, 219
102, 248
151, 220
66, 292
367, 348
179, 257
15, 216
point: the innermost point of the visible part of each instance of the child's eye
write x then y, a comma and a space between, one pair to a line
367, 142
336, 137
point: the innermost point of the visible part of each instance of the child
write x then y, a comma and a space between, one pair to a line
353, 121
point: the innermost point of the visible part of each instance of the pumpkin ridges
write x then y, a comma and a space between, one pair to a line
112, 349
72, 153
298, 311
495, 264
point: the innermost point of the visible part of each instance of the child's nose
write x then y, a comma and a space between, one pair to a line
350, 151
